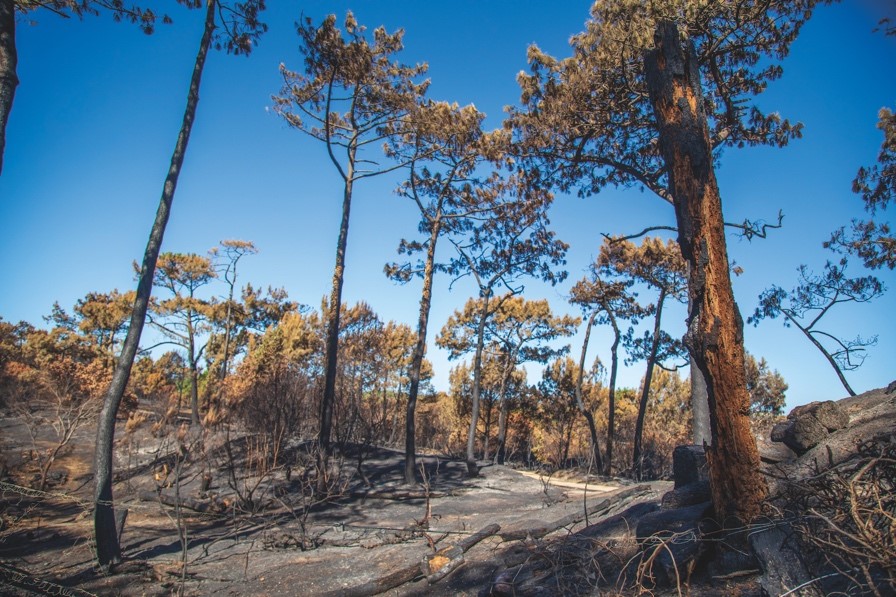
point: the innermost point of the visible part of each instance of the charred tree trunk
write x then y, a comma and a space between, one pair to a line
580, 400
645, 391
611, 400
472, 467
194, 373
108, 548
9, 80
700, 432
332, 347
410, 446
715, 327
504, 412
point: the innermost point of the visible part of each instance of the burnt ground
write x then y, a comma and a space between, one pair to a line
360, 535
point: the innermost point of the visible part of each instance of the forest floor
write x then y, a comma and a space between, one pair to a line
354, 540
369, 535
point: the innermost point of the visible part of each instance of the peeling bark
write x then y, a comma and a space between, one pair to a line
715, 328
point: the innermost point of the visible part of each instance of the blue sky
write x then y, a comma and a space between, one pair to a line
99, 106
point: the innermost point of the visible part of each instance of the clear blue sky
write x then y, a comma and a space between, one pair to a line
99, 106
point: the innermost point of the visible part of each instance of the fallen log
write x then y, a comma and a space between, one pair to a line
382, 584
542, 529
440, 564
435, 567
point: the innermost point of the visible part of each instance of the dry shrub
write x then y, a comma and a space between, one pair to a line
846, 517
135, 420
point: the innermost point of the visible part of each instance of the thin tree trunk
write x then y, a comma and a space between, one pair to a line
9, 80
410, 445
504, 411
611, 400
472, 467
332, 347
580, 400
715, 327
645, 391
108, 549
194, 374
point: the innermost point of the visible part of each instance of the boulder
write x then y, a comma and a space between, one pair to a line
809, 425
689, 465
828, 413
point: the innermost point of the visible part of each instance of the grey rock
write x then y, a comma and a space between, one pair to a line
779, 431
828, 413
805, 433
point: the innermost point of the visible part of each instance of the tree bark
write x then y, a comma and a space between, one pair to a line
645, 391
9, 80
580, 400
108, 548
410, 440
715, 327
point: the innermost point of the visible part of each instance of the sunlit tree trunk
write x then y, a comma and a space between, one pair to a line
9, 80
645, 391
410, 445
715, 327
108, 550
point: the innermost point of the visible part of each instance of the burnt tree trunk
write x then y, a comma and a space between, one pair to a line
9, 80
332, 345
637, 457
580, 400
108, 548
472, 467
611, 394
715, 328
410, 446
